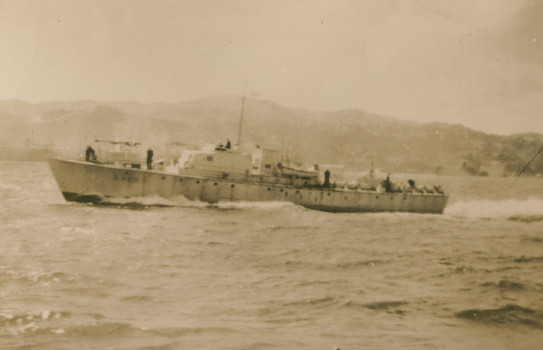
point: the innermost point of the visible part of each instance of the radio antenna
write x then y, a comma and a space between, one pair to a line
241, 115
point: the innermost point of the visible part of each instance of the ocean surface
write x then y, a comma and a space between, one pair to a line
153, 274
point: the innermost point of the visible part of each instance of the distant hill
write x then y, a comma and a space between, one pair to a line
352, 137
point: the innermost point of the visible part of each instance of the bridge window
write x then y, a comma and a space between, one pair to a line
209, 158
267, 166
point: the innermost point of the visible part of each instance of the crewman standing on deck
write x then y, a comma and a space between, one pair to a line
326, 179
388, 184
90, 155
149, 159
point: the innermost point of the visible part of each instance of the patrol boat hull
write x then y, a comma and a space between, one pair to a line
81, 181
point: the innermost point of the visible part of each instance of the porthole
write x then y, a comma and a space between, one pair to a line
163, 177
215, 183
269, 188
376, 197
232, 185
197, 181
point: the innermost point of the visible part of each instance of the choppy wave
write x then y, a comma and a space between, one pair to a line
506, 285
506, 316
43, 277
528, 259
384, 305
526, 218
313, 303
531, 208
13, 323
102, 329
391, 307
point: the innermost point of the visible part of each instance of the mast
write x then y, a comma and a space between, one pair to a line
241, 115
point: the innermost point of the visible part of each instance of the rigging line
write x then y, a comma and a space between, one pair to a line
526, 166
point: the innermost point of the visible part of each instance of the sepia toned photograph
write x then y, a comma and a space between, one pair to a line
269, 175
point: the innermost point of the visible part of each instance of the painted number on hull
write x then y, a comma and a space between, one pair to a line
127, 178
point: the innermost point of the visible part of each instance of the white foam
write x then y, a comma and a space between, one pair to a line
254, 205
488, 208
7, 315
181, 201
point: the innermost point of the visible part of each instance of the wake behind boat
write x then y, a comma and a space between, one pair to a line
223, 174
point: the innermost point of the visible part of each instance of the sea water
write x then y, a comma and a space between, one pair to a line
155, 274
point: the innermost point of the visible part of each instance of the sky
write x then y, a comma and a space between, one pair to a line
473, 62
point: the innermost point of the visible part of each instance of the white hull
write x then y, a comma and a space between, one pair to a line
89, 182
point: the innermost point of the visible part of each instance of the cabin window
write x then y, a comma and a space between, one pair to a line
267, 166
209, 158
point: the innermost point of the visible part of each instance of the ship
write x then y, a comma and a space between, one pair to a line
30, 151
224, 174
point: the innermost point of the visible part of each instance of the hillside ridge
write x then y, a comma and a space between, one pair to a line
350, 136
